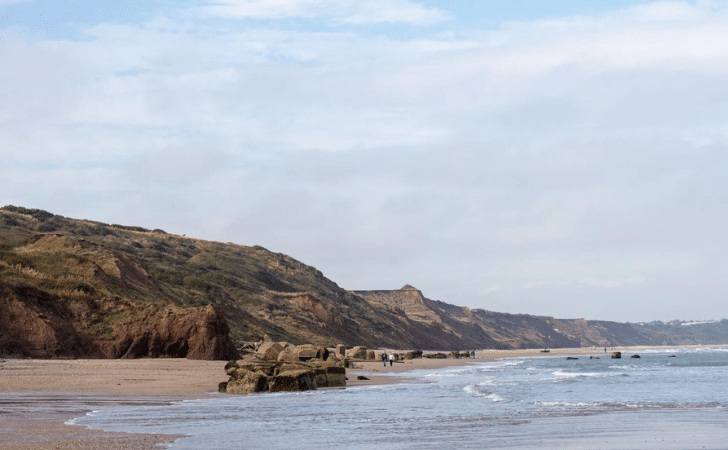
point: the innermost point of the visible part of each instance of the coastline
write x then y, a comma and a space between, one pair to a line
37, 397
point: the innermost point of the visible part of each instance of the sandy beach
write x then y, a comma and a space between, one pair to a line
37, 397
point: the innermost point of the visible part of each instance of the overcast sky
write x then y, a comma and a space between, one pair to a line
539, 157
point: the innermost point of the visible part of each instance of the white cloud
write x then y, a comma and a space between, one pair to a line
576, 159
341, 11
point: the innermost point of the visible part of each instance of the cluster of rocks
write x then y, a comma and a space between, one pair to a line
461, 354
247, 377
362, 353
269, 366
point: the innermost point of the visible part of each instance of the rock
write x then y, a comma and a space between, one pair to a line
361, 377
435, 355
335, 376
246, 382
616, 355
371, 355
672, 356
593, 357
192, 333
635, 356
258, 376
571, 357
292, 381
340, 350
358, 352
303, 353
414, 354
269, 351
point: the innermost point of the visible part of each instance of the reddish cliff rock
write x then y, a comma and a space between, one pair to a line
176, 332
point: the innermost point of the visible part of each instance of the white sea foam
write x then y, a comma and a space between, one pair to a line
481, 390
571, 375
566, 404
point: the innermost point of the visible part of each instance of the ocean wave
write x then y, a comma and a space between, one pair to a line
626, 406
572, 375
567, 404
479, 390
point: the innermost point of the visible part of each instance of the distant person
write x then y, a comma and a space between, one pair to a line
391, 359
384, 359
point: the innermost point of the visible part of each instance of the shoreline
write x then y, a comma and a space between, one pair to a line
38, 397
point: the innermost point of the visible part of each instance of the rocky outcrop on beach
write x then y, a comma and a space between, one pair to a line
246, 377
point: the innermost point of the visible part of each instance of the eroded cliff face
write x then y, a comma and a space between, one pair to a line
37, 324
61, 296
84, 289
172, 331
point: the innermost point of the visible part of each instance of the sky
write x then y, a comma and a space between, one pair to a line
560, 158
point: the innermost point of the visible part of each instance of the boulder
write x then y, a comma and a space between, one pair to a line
414, 354
635, 356
358, 352
257, 376
246, 382
269, 351
571, 357
616, 355
304, 352
335, 376
292, 381
340, 350
371, 355
593, 357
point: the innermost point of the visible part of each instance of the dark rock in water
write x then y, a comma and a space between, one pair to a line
616, 355
571, 357
672, 356
246, 382
593, 357
635, 356
293, 381
361, 377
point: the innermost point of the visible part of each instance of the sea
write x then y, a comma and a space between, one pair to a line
666, 399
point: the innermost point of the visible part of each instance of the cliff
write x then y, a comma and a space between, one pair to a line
78, 288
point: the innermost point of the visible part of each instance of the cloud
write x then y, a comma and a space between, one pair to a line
337, 11
552, 166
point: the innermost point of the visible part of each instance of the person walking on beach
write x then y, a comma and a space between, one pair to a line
391, 359
384, 359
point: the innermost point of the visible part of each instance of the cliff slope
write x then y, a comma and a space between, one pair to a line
82, 288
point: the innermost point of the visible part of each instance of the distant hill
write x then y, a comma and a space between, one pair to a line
73, 287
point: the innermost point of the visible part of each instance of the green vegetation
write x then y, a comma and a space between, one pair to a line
110, 276
83, 263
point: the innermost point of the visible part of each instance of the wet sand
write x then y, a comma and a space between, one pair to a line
37, 397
